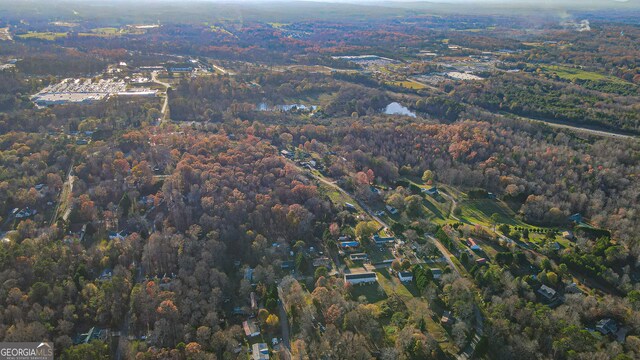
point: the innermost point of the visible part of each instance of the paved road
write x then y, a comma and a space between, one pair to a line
470, 348
165, 105
446, 253
333, 184
284, 328
603, 133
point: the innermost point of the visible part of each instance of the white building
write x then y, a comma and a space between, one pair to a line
405, 276
361, 278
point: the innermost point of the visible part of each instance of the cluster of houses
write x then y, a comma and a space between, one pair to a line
259, 351
24, 213
309, 164
371, 277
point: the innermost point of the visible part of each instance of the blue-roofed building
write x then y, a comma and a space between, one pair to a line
577, 218
349, 244
431, 191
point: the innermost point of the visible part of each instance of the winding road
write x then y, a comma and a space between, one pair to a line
165, 105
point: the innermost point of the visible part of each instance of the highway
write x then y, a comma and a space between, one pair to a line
601, 133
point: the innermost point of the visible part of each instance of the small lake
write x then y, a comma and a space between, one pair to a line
396, 109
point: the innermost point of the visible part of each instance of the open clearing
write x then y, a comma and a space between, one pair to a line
50, 36
569, 73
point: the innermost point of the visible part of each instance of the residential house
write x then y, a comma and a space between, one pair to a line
405, 276
25, 213
379, 240
437, 273
481, 261
391, 210
248, 274
361, 278
446, 318
349, 245
321, 261
286, 265
106, 275
286, 154
433, 191
350, 207
260, 351
251, 328
568, 235
358, 257
93, 334
547, 293
473, 245
607, 326
577, 218
572, 289
115, 236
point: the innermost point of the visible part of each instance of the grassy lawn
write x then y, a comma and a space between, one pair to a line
418, 308
480, 211
409, 84
321, 99
372, 292
376, 255
437, 208
337, 198
434, 210
352, 264
105, 30
392, 285
50, 36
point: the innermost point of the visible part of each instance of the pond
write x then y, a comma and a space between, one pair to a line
396, 109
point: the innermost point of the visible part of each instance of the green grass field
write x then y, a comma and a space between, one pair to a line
105, 30
372, 292
392, 285
480, 211
376, 255
569, 73
50, 36
418, 308
337, 198
408, 84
